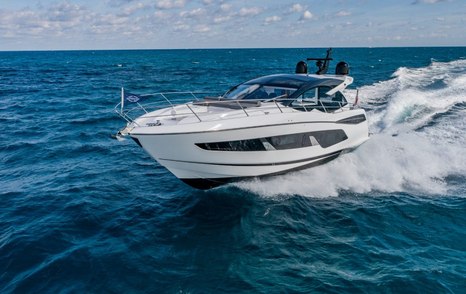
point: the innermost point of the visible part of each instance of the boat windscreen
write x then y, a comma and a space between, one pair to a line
240, 91
258, 92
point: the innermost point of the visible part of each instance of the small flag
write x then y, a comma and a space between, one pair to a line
133, 98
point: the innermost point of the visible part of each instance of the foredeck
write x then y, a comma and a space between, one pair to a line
176, 108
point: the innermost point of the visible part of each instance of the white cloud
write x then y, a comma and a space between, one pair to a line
343, 13
169, 4
197, 12
225, 7
180, 26
201, 28
118, 3
272, 19
307, 15
161, 15
65, 12
428, 1
135, 7
166, 23
222, 19
111, 24
53, 21
296, 8
249, 11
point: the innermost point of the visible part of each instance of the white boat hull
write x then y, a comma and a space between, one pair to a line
179, 147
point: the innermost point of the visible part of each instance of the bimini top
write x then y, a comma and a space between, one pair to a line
292, 85
295, 80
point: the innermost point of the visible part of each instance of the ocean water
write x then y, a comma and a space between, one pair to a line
81, 212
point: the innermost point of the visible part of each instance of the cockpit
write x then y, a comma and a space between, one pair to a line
299, 92
319, 98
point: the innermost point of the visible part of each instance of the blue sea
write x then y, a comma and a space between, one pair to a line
81, 212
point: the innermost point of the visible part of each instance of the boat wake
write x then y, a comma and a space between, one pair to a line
417, 145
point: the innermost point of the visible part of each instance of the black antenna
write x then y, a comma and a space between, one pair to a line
323, 63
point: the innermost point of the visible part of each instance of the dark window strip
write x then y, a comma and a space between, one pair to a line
292, 141
353, 120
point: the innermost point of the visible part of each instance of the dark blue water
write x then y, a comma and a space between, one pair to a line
82, 212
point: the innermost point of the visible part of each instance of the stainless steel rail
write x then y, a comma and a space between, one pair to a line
244, 105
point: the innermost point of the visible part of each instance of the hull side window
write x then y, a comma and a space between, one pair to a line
300, 140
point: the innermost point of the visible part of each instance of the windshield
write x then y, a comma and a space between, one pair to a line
240, 91
259, 92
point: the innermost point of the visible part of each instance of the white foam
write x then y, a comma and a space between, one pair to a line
408, 101
407, 162
405, 153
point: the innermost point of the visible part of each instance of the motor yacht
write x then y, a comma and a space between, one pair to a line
263, 127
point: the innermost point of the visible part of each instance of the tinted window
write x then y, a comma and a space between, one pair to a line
329, 138
292, 141
240, 145
259, 92
240, 91
337, 97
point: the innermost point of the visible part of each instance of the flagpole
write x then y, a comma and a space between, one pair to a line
122, 99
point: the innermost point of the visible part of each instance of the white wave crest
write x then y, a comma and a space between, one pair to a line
414, 96
407, 162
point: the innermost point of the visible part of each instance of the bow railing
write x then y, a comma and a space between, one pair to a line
130, 109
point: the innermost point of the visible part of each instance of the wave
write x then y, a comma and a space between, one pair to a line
413, 97
417, 126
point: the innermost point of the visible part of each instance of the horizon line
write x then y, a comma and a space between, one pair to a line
231, 48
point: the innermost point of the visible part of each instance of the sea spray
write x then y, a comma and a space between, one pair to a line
418, 139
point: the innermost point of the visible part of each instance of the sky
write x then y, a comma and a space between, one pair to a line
165, 24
